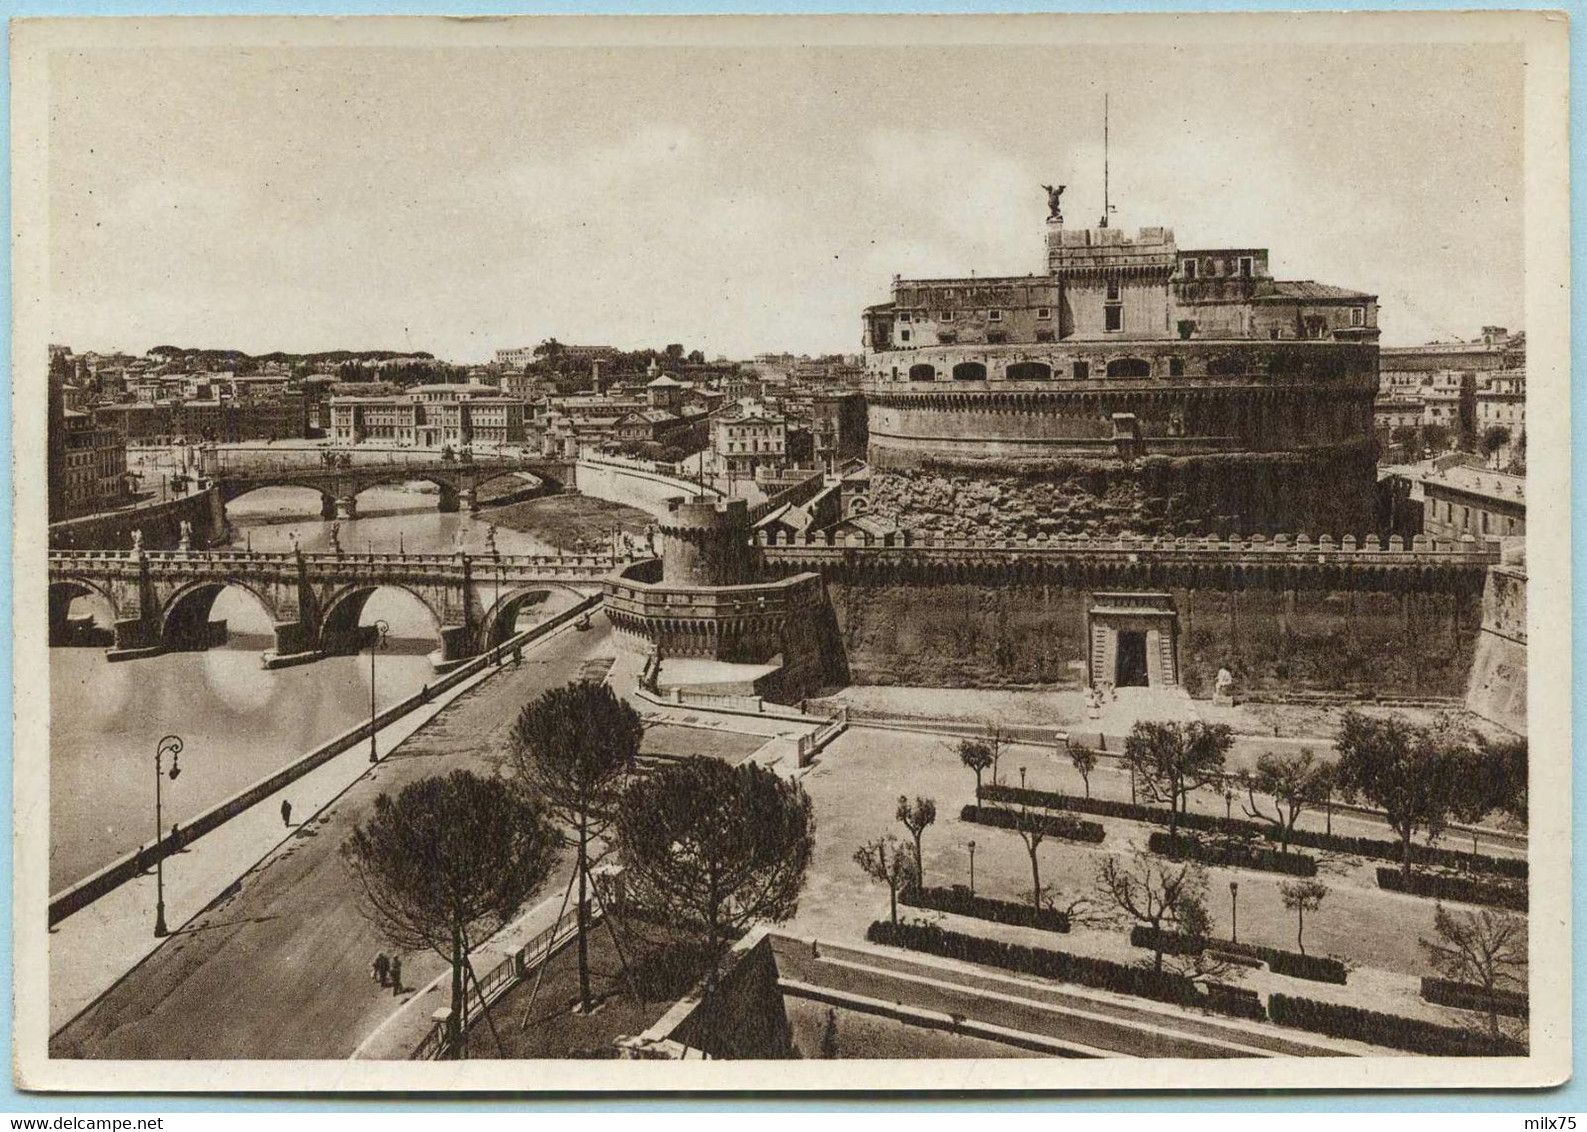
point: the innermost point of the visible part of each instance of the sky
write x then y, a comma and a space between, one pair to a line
740, 200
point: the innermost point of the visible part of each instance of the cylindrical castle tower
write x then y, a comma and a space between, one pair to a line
705, 543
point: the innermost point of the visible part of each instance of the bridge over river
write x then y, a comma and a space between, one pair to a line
160, 601
458, 481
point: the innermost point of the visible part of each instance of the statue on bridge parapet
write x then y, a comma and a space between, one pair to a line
137, 540
490, 541
184, 539
1223, 688
336, 539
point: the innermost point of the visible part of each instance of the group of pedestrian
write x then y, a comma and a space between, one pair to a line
387, 971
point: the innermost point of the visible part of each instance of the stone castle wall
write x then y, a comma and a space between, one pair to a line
1332, 491
1370, 622
1497, 689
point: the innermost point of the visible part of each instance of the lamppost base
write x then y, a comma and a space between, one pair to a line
160, 930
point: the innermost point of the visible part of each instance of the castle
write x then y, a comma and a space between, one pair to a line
1134, 386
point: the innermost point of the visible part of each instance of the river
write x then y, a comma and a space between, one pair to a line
238, 721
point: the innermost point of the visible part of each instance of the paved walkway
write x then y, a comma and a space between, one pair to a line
399, 1035
280, 968
91, 949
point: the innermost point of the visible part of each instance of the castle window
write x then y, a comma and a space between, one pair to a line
1081, 370
947, 316
1113, 290
1044, 312
1176, 366
1245, 267
1189, 268
923, 372
1113, 316
903, 336
1358, 316
994, 316
903, 316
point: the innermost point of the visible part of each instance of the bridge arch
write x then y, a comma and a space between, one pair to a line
185, 615
339, 629
65, 591
500, 620
327, 500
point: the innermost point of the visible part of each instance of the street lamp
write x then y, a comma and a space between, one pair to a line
378, 642
1234, 911
173, 744
972, 868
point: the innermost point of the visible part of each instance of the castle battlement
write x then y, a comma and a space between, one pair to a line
1396, 550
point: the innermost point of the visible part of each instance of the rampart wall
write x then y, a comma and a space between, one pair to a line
1282, 615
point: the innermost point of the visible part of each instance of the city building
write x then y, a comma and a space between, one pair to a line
429, 416
1133, 385
1462, 500
87, 463
749, 437
1450, 380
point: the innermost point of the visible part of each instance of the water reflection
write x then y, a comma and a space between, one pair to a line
239, 722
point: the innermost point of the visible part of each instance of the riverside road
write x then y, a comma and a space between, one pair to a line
281, 968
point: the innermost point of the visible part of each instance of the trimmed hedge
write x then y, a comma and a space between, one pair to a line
1513, 867
1241, 1002
959, 901
1316, 968
1235, 854
1054, 825
1390, 1030
1465, 891
1107, 808
1163, 986
1469, 996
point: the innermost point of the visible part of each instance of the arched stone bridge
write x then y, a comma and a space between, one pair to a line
458, 482
160, 601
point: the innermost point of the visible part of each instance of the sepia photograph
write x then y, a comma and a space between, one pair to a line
790, 553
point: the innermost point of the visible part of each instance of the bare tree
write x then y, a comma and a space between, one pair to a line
977, 756
1197, 961
1172, 759
1152, 892
885, 860
1484, 947
1294, 782
1300, 897
575, 746
916, 816
445, 865
1085, 761
1032, 829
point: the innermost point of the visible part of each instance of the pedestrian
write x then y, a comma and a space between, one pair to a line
381, 968
424, 694
286, 812
396, 975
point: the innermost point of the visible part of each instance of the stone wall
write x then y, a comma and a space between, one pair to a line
1332, 640
1281, 617
1497, 689
1331, 492
159, 521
